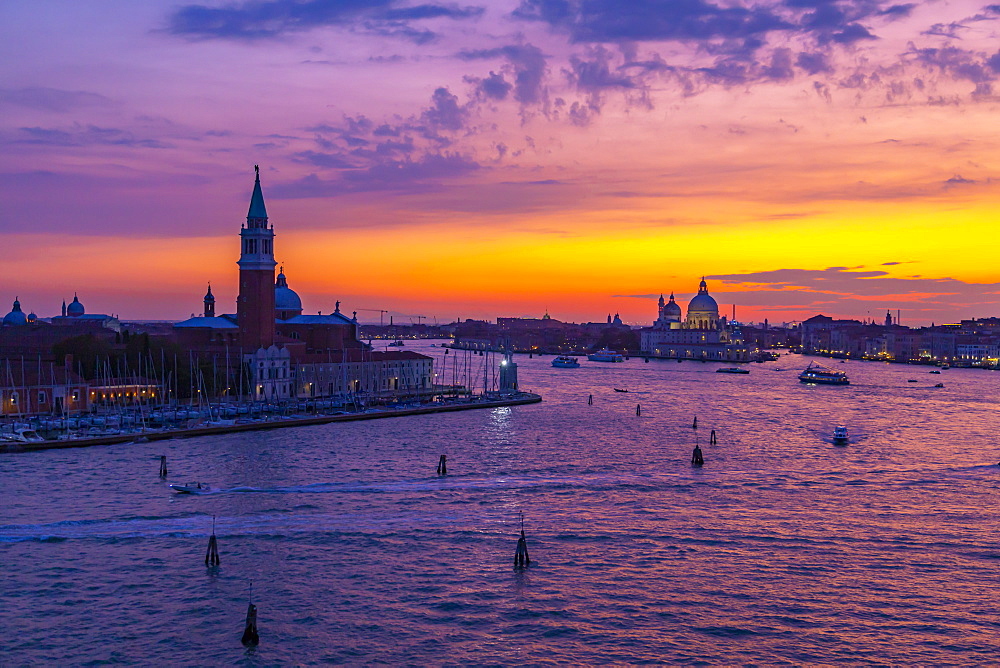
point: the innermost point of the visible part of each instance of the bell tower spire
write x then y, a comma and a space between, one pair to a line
255, 306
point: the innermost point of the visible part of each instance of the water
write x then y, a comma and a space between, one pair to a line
783, 549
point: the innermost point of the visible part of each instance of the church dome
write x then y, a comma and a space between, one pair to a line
703, 302
285, 299
672, 307
76, 308
16, 316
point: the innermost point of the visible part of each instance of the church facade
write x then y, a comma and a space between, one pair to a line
700, 335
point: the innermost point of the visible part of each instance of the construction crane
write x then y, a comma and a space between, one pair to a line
418, 317
381, 313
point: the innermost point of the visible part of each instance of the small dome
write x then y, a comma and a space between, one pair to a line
285, 299
32, 317
671, 307
76, 308
16, 316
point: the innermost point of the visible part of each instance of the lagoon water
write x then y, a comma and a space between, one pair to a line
783, 548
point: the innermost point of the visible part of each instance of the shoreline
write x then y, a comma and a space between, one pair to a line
522, 398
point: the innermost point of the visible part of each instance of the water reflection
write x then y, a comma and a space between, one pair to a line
781, 548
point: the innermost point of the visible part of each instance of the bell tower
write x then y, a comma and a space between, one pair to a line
209, 311
255, 305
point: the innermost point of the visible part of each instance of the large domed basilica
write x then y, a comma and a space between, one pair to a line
703, 334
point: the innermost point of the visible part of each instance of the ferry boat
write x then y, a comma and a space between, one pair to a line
605, 355
840, 436
566, 362
821, 375
732, 369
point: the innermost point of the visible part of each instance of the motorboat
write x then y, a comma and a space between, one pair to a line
22, 435
191, 488
605, 355
935, 371
939, 385
820, 375
566, 362
621, 390
398, 343
840, 435
732, 369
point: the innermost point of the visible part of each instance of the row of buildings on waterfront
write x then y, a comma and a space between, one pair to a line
973, 342
700, 334
703, 334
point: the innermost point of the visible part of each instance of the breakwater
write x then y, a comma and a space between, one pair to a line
518, 399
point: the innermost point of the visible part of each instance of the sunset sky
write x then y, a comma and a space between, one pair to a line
478, 159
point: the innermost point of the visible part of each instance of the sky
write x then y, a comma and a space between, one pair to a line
488, 158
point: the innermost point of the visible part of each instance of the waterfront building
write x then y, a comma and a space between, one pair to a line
33, 388
702, 335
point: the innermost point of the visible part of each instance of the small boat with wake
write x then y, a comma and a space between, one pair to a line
732, 369
621, 389
840, 435
191, 488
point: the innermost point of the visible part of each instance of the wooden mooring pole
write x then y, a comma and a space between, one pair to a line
212, 555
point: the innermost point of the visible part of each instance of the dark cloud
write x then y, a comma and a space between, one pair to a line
847, 282
650, 20
261, 19
332, 160
528, 68
780, 68
960, 64
421, 175
595, 73
851, 33
85, 135
898, 11
445, 112
51, 99
813, 63
431, 12
492, 87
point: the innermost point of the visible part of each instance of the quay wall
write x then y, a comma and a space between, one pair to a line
521, 398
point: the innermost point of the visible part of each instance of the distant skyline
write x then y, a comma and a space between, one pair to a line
483, 159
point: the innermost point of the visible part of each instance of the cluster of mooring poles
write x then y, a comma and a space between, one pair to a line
697, 456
